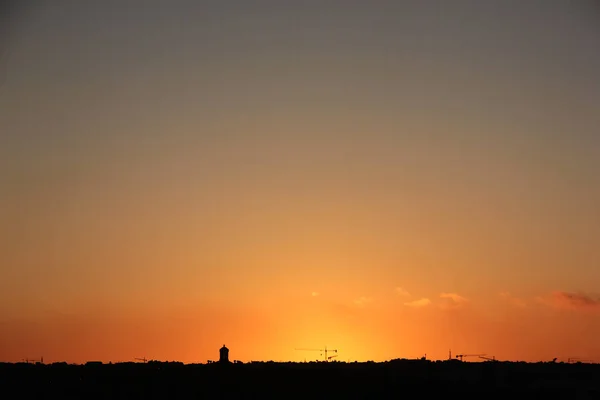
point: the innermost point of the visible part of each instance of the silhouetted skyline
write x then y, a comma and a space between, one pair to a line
397, 378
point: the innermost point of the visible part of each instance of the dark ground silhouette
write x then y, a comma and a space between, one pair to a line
397, 378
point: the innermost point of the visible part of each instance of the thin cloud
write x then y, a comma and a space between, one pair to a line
572, 301
344, 310
362, 301
454, 297
515, 301
418, 303
402, 292
452, 300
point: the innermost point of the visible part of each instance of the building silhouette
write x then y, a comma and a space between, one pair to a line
224, 354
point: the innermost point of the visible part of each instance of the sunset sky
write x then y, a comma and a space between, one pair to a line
385, 178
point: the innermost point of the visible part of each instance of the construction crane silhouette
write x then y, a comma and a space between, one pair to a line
322, 351
29, 360
488, 358
571, 360
461, 356
144, 360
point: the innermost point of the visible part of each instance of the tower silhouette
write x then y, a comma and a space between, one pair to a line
224, 354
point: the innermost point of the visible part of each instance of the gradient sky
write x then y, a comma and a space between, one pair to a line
388, 178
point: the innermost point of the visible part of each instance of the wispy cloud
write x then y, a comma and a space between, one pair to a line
452, 300
402, 292
572, 301
515, 301
418, 303
344, 310
350, 309
363, 301
454, 297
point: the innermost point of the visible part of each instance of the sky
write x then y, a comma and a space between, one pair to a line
385, 178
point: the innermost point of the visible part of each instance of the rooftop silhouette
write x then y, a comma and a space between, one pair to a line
399, 377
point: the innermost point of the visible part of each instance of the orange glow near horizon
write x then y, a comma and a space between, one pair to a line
361, 330
386, 180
